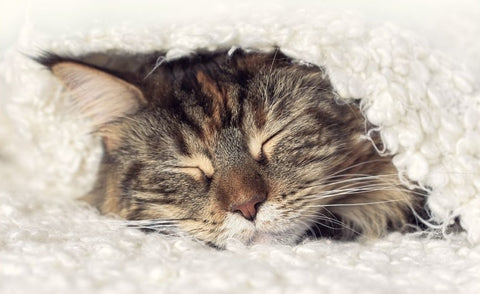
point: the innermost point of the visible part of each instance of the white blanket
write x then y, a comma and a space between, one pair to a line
426, 107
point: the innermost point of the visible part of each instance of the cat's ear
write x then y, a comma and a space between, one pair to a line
99, 96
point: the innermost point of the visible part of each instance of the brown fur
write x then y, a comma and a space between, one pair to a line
205, 140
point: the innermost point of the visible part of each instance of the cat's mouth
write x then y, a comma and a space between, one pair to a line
267, 228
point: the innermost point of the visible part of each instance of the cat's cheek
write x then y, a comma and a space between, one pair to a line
271, 219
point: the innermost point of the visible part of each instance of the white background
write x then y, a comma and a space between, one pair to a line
451, 26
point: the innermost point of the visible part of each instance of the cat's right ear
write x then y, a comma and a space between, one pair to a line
99, 96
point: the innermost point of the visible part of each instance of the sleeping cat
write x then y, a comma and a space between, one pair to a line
233, 144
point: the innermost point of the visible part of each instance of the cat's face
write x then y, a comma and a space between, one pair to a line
248, 146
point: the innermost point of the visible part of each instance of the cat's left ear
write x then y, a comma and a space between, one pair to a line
99, 96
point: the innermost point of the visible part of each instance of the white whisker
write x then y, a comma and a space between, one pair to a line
356, 204
323, 220
358, 164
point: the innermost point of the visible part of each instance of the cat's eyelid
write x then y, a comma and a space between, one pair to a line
197, 167
271, 137
269, 144
194, 171
261, 143
261, 146
198, 161
208, 176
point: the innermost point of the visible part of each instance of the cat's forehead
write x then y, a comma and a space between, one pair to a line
254, 94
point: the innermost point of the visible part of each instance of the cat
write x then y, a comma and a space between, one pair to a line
233, 144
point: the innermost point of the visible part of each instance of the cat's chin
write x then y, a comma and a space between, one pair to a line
261, 238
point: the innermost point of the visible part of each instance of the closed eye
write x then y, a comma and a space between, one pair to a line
261, 146
268, 146
196, 172
198, 166
203, 174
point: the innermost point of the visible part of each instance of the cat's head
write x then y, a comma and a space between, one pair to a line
246, 145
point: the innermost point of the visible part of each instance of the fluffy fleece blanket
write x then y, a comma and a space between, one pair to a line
427, 110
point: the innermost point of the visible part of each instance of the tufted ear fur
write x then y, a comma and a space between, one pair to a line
100, 96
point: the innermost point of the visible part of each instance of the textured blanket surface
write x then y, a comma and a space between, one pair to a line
421, 92
60, 247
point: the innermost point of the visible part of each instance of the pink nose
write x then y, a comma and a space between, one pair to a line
248, 209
